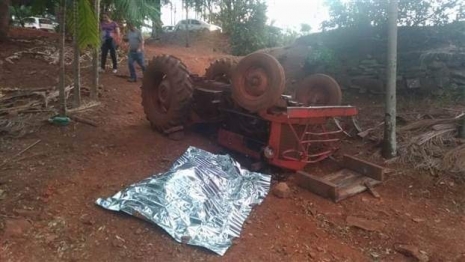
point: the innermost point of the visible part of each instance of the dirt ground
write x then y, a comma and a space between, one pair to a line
48, 211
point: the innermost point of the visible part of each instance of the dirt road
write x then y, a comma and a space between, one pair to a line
47, 208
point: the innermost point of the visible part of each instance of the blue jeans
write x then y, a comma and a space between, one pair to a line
109, 45
137, 57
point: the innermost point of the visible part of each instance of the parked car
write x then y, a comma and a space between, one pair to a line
40, 23
196, 25
168, 28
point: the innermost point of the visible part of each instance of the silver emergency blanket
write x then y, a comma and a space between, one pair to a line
202, 200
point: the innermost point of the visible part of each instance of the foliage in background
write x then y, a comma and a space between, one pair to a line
121, 10
279, 37
135, 11
87, 29
362, 13
305, 29
20, 12
245, 22
321, 57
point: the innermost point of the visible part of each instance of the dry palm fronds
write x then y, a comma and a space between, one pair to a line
430, 144
454, 160
21, 110
50, 54
426, 123
20, 125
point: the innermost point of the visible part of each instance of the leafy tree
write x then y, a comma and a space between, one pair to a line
305, 29
20, 12
82, 23
245, 21
358, 13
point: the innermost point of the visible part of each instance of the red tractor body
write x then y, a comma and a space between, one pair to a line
254, 117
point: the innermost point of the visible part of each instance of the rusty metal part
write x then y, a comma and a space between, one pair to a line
255, 118
298, 135
318, 90
239, 143
258, 82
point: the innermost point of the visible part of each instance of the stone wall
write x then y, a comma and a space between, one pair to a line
429, 58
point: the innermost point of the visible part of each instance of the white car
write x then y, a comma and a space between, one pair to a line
40, 23
168, 28
196, 25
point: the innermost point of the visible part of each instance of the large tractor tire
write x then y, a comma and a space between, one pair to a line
257, 82
167, 91
221, 70
318, 90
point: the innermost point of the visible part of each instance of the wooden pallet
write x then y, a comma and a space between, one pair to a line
355, 177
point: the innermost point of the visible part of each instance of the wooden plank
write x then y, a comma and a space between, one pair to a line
316, 184
333, 176
342, 194
343, 174
364, 168
372, 190
349, 180
354, 188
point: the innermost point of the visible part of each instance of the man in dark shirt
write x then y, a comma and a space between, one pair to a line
136, 51
110, 39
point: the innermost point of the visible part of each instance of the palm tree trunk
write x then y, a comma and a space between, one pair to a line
4, 19
390, 146
95, 56
77, 55
62, 71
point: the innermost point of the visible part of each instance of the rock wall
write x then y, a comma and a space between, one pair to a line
429, 58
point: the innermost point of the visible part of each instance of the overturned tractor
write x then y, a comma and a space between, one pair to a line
246, 98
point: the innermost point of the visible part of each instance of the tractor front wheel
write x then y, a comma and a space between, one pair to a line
318, 90
167, 91
258, 82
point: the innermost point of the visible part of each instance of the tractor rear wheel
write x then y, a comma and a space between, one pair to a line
258, 82
221, 70
318, 90
167, 91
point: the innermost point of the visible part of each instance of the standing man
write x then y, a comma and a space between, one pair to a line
136, 51
110, 40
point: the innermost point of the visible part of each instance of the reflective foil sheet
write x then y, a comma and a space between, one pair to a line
202, 200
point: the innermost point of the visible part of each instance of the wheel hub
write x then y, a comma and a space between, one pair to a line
318, 90
256, 82
315, 95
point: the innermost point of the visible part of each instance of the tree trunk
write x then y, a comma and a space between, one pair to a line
187, 23
460, 15
95, 57
156, 28
153, 35
174, 15
77, 56
4, 19
390, 145
62, 71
